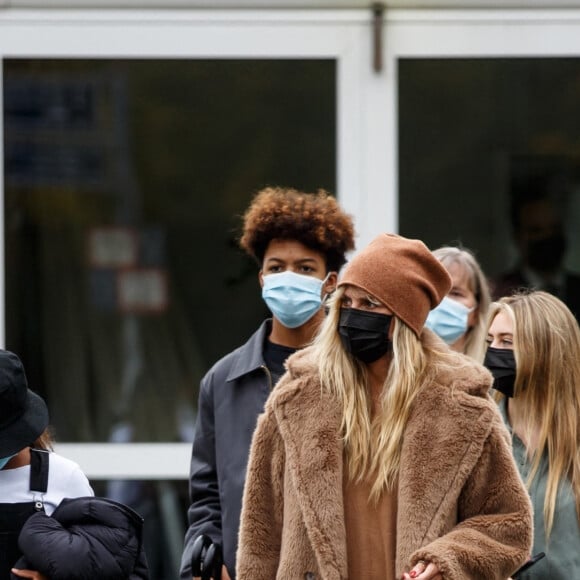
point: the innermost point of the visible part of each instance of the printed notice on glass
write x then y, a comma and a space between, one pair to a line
142, 290
113, 247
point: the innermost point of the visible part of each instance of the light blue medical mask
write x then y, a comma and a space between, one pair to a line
448, 320
292, 298
5, 460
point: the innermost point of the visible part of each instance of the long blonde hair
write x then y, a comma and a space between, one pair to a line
475, 338
45, 440
372, 444
546, 341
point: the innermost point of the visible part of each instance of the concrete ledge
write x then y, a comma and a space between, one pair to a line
129, 460
288, 4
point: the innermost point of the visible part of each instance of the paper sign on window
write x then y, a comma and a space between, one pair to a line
142, 290
113, 247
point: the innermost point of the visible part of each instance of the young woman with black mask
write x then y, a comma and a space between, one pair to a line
534, 355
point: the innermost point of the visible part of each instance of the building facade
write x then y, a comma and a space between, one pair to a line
135, 133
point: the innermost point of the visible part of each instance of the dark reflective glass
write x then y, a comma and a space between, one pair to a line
125, 181
489, 157
124, 186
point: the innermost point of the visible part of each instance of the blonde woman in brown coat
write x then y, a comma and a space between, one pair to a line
380, 454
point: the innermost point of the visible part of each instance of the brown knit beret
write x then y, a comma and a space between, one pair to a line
403, 274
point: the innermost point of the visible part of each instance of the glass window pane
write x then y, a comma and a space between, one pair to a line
124, 185
481, 142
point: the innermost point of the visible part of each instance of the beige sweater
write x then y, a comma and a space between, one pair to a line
371, 532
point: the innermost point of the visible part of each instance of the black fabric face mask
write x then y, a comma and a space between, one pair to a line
502, 365
364, 334
546, 254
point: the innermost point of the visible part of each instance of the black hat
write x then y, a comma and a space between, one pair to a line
23, 414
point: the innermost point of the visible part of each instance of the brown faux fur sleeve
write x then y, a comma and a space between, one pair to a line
262, 509
495, 520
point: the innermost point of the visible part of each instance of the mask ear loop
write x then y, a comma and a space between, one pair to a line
472, 309
327, 295
324, 300
392, 328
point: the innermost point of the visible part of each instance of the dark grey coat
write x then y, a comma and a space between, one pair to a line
232, 395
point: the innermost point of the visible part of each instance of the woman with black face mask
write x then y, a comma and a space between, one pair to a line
380, 454
534, 355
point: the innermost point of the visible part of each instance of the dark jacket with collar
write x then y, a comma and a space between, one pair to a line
85, 538
232, 395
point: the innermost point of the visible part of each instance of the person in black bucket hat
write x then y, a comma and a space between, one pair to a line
52, 526
23, 413
32, 478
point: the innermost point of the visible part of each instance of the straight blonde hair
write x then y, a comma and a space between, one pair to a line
546, 342
373, 444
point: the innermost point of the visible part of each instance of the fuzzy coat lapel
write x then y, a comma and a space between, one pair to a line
443, 442
309, 423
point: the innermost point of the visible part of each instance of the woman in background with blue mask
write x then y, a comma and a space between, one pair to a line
461, 318
299, 241
534, 355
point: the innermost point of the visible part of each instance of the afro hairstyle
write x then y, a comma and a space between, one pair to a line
314, 219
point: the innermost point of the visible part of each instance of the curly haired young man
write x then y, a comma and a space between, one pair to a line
300, 241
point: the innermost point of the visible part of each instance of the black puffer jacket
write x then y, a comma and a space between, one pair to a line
85, 538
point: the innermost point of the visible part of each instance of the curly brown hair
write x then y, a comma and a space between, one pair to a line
314, 219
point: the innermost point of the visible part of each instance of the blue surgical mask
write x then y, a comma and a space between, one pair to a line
448, 320
5, 460
292, 298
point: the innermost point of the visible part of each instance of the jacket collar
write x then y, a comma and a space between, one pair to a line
309, 422
250, 356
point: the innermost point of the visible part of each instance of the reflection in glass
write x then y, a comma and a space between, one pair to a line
478, 140
124, 185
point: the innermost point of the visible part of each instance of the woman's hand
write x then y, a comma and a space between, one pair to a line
32, 574
423, 571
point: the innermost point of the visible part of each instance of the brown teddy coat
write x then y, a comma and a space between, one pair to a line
461, 502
